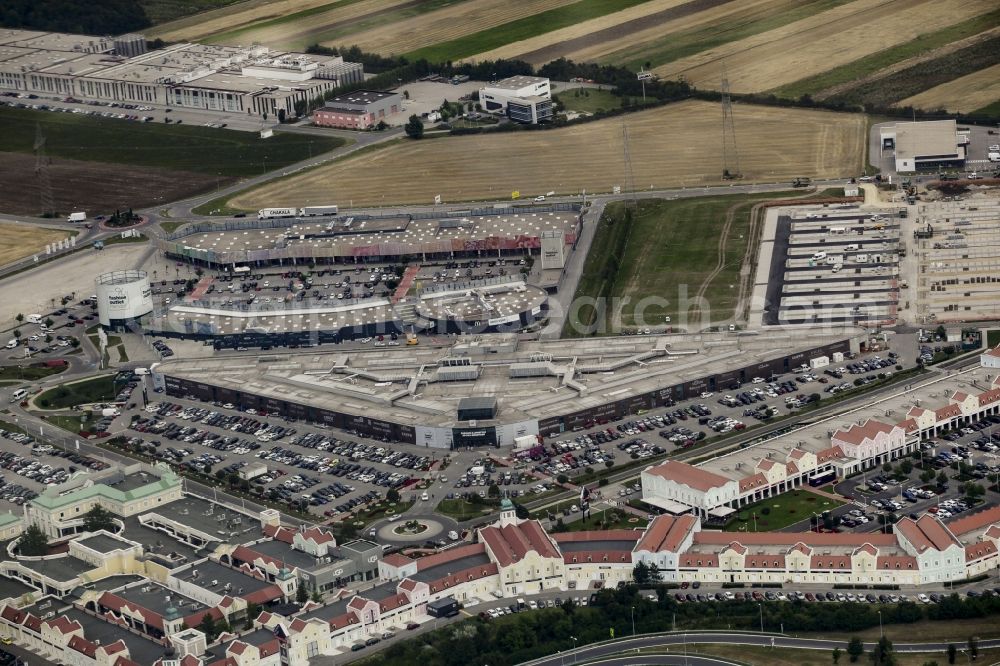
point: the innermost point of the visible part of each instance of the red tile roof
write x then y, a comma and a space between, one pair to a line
764, 561
975, 521
978, 551
959, 396
866, 548
115, 647
909, 425
800, 548
869, 430
666, 533
244, 554
33, 623
318, 535
765, 464
118, 605
737, 547
689, 560
464, 576
578, 556
264, 595
947, 412
597, 535
831, 453
83, 646
279, 533
511, 543
13, 615
397, 560
796, 454
896, 562
758, 480
830, 562
64, 624
237, 647
689, 475
916, 411
926, 533
989, 397
407, 584
993, 351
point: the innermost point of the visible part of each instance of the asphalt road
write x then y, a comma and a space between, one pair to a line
615, 648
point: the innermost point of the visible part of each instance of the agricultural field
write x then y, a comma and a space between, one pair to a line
670, 251
670, 146
811, 46
22, 240
216, 152
588, 100
160, 11
964, 94
948, 69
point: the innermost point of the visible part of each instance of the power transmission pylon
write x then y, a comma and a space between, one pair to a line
730, 157
42, 174
629, 180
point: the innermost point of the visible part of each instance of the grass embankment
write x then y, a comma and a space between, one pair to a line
990, 110
876, 62
95, 389
762, 656
161, 11
784, 510
524, 28
884, 91
677, 45
661, 259
588, 100
28, 373
211, 151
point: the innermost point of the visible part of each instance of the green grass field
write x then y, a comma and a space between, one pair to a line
68, 395
991, 111
27, 373
669, 252
587, 100
912, 80
877, 61
679, 45
784, 510
529, 26
199, 149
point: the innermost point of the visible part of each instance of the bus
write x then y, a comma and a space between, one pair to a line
822, 478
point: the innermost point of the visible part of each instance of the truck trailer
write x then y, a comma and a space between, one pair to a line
275, 213
316, 211
446, 607
77, 217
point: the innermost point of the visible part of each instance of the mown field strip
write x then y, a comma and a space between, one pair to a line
962, 95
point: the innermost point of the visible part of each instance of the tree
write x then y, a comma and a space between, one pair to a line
906, 467
17, 333
952, 653
562, 478
609, 463
882, 653
208, 627
974, 647
640, 574
98, 518
836, 655
392, 495
253, 610
414, 127
19, 317
300, 107
655, 575
855, 648
942, 478
927, 476
302, 595
34, 542
887, 468
493, 490
281, 115
49, 322
316, 596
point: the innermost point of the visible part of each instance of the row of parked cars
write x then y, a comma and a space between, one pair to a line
841, 597
360, 451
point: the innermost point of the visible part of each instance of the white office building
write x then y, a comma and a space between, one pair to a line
524, 99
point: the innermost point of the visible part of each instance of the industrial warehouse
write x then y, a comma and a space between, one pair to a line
415, 395
253, 79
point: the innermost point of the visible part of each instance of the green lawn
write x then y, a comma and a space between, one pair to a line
587, 100
10, 427
529, 26
27, 373
677, 45
660, 261
200, 149
620, 521
783, 510
871, 64
462, 509
990, 110
69, 422
96, 389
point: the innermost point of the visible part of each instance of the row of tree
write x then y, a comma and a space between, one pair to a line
107, 17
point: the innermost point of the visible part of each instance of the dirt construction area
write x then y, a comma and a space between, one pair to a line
819, 43
21, 240
677, 145
95, 187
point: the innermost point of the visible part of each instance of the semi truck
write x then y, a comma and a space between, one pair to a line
275, 213
316, 211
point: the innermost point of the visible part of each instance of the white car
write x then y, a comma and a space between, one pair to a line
758, 380
995, 146
540, 197
706, 394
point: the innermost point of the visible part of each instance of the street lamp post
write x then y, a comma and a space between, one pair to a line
574, 648
881, 633
760, 607
633, 620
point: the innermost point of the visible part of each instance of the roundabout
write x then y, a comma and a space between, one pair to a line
412, 530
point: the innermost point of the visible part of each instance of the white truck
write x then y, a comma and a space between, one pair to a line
34, 319
77, 217
316, 211
252, 471
994, 157
111, 411
819, 362
275, 213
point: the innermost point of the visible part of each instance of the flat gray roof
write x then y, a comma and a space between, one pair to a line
61, 568
210, 570
215, 520
155, 542
154, 596
10, 588
453, 567
285, 553
104, 543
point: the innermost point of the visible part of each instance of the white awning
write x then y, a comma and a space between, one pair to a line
722, 511
675, 508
